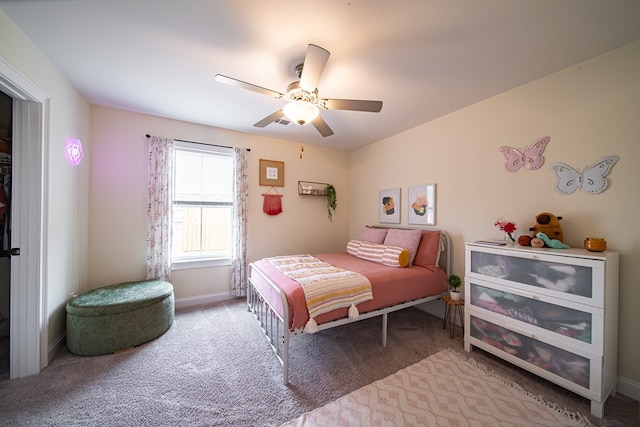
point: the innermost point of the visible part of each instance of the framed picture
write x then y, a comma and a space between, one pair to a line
389, 206
271, 173
421, 204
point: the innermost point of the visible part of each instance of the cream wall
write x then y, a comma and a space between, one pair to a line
66, 186
118, 202
590, 110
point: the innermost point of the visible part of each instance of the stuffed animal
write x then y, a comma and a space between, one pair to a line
549, 224
524, 240
552, 243
537, 243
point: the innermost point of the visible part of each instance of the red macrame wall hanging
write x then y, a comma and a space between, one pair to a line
272, 204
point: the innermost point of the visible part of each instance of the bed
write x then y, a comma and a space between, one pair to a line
279, 305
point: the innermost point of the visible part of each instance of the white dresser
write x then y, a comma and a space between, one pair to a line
553, 312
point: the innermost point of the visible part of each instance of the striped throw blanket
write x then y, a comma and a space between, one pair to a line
325, 287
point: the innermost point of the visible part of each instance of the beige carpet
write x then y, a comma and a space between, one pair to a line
214, 368
445, 389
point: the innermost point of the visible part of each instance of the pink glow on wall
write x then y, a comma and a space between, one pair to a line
74, 152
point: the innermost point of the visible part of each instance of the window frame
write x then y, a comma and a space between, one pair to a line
184, 263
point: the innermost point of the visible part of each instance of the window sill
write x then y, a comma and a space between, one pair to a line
200, 263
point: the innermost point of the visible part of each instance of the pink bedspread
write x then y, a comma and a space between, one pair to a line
390, 286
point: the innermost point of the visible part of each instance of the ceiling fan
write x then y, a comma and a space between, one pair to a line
304, 103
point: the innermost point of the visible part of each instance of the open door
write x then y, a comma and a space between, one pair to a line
28, 319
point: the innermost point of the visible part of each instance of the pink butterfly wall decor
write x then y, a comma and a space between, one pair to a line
530, 158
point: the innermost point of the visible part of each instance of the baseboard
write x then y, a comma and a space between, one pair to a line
628, 388
55, 347
203, 300
435, 307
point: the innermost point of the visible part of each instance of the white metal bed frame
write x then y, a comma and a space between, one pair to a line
276, 329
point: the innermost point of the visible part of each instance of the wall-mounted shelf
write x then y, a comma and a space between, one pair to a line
309, 188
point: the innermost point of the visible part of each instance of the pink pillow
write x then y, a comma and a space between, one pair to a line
407, 239
428, 252
373, 235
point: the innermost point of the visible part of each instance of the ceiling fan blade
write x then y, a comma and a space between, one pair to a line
352, 104
314, 63
269, 119
322, 126
244, 85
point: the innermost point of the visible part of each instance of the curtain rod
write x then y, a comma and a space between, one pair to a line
201, 143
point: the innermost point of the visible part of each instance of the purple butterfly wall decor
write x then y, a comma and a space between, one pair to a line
530, 158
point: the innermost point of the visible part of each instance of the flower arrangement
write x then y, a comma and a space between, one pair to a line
506, 226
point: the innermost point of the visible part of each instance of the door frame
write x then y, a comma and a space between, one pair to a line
29, 318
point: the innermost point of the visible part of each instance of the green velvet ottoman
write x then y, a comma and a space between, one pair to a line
116, 317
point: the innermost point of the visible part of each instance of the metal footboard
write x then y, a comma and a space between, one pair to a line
273, 325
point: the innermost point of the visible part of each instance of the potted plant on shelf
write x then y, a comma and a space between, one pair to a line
332, 201
454, 283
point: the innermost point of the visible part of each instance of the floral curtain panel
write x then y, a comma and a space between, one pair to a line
159, 210
239, 236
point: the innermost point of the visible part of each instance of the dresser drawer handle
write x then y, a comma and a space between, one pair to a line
521, 332
534, 297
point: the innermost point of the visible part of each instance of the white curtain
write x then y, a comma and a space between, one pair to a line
159, 211
239, 234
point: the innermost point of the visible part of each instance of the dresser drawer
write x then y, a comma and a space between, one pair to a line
540, 314
569, 278
576, 372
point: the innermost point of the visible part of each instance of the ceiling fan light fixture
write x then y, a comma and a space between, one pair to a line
301, 112
303, 104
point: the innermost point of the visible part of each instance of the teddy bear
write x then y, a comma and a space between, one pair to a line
549, 224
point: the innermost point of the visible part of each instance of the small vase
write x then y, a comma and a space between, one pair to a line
508, 239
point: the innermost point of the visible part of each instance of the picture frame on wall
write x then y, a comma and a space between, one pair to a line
271, 173
389, 206
421, 204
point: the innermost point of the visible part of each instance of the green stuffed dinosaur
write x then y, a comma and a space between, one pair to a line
552, 243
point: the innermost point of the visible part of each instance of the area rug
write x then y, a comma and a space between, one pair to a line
445, 389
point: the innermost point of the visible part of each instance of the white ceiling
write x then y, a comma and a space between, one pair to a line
422, 58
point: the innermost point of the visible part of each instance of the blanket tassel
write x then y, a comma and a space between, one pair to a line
353, 312
311, 327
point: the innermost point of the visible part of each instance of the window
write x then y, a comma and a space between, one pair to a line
202, 204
